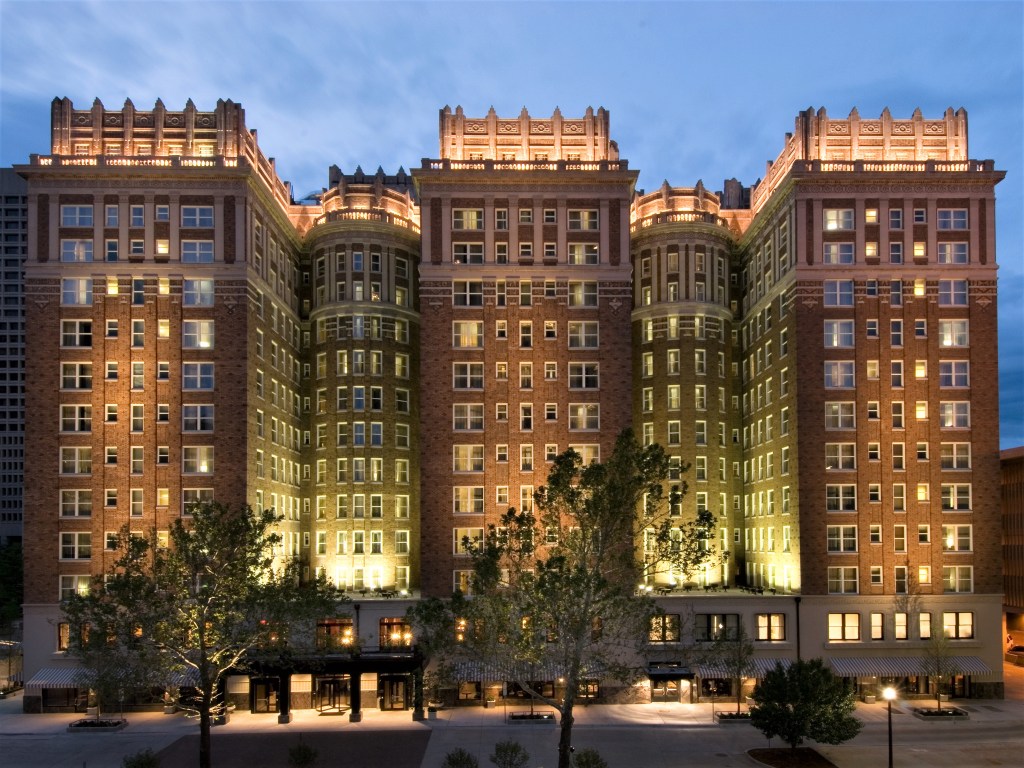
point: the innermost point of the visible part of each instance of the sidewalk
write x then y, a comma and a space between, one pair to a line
660, 735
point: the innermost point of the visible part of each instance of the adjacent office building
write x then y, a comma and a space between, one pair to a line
395, 364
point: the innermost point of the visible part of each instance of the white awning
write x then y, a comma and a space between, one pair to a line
902, 666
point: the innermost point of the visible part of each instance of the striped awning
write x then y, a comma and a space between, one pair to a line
902, 666
55, 677
74, 677
506, 669
758, 668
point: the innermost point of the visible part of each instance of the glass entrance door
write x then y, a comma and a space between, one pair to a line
665, 690
332, 693
263, 693
392, 692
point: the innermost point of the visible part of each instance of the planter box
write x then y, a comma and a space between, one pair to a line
91, 725
526, 718
947, 715
729, 718
869, 698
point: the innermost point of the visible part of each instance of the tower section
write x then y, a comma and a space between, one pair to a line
525, 294
364, 357
686, 396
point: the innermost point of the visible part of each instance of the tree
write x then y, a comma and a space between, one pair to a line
802, 701
214, 600
555, 589
938, 663
11, 586
510, 754
732, 655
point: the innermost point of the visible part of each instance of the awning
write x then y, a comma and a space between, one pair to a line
505, 669
669, 672
902, 666
54, 677
758, 668
72, 677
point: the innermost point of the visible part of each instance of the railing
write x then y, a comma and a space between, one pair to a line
448, 164
367, 215
677, 217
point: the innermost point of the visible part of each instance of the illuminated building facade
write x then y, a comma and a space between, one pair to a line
393, 365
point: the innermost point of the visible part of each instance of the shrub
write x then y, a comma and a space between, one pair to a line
301, 756
510, 754
590, 758
460, 758
143, 759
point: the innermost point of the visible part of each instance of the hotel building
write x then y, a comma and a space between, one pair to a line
394, 365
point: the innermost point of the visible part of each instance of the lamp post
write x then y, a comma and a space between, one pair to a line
889, 693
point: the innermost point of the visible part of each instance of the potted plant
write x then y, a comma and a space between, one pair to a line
169, 702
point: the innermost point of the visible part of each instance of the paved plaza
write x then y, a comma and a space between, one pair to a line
632, 736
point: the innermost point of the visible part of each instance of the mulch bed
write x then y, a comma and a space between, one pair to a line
786, 757
265, 750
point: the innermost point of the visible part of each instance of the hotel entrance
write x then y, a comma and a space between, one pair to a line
263, 694
393, 692
331, 693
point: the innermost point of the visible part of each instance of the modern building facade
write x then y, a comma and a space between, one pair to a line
13, 249
394, 365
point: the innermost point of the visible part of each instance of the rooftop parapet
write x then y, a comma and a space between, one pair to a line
159, 139
525, 138
382, 198
890, 144
671, 205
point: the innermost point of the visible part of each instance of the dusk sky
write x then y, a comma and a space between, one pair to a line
696, 90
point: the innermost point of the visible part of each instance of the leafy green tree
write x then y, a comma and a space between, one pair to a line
939, 663
732, 654
460, 758
590, 758
214, 600
510, 754
555, 589
802, 701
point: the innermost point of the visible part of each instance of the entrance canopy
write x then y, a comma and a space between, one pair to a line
758, 668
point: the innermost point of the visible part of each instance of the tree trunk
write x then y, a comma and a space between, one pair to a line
565, 735
205, 758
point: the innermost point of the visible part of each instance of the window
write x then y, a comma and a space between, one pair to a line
842, 538
953, 333
76, 292
197, 334
74, 585
958, 578
952, 293
467, 334
196, 216
583, 334
197, 293
468, 253
75, 546
582, 293
954, 373
467, 375
839, 415
584, 416
838, 293
197, 251
197, 376
468, 218
838, 218
841, 498
464, 539
197, 418
468, 458
197, 460
956, 497
839, 374
468, 293
664, 628
957, 538
468, 500
957, 625
75, 250
584, 219
583, 254
468, 416
584, 375
840, 456
956, 455
842, 580
952, 253
76, 376
951, 218
838, 253
771, 626
711, 626
838, 333
76, 461
76, 333
954, 414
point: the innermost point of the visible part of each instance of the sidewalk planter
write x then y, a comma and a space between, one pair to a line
731, 718
947, 715
869, 698
92, 725
532, 717
489, 703
431, 713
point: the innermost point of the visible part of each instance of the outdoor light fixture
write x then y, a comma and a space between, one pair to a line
889, 693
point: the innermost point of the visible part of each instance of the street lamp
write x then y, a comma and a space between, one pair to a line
889, 693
